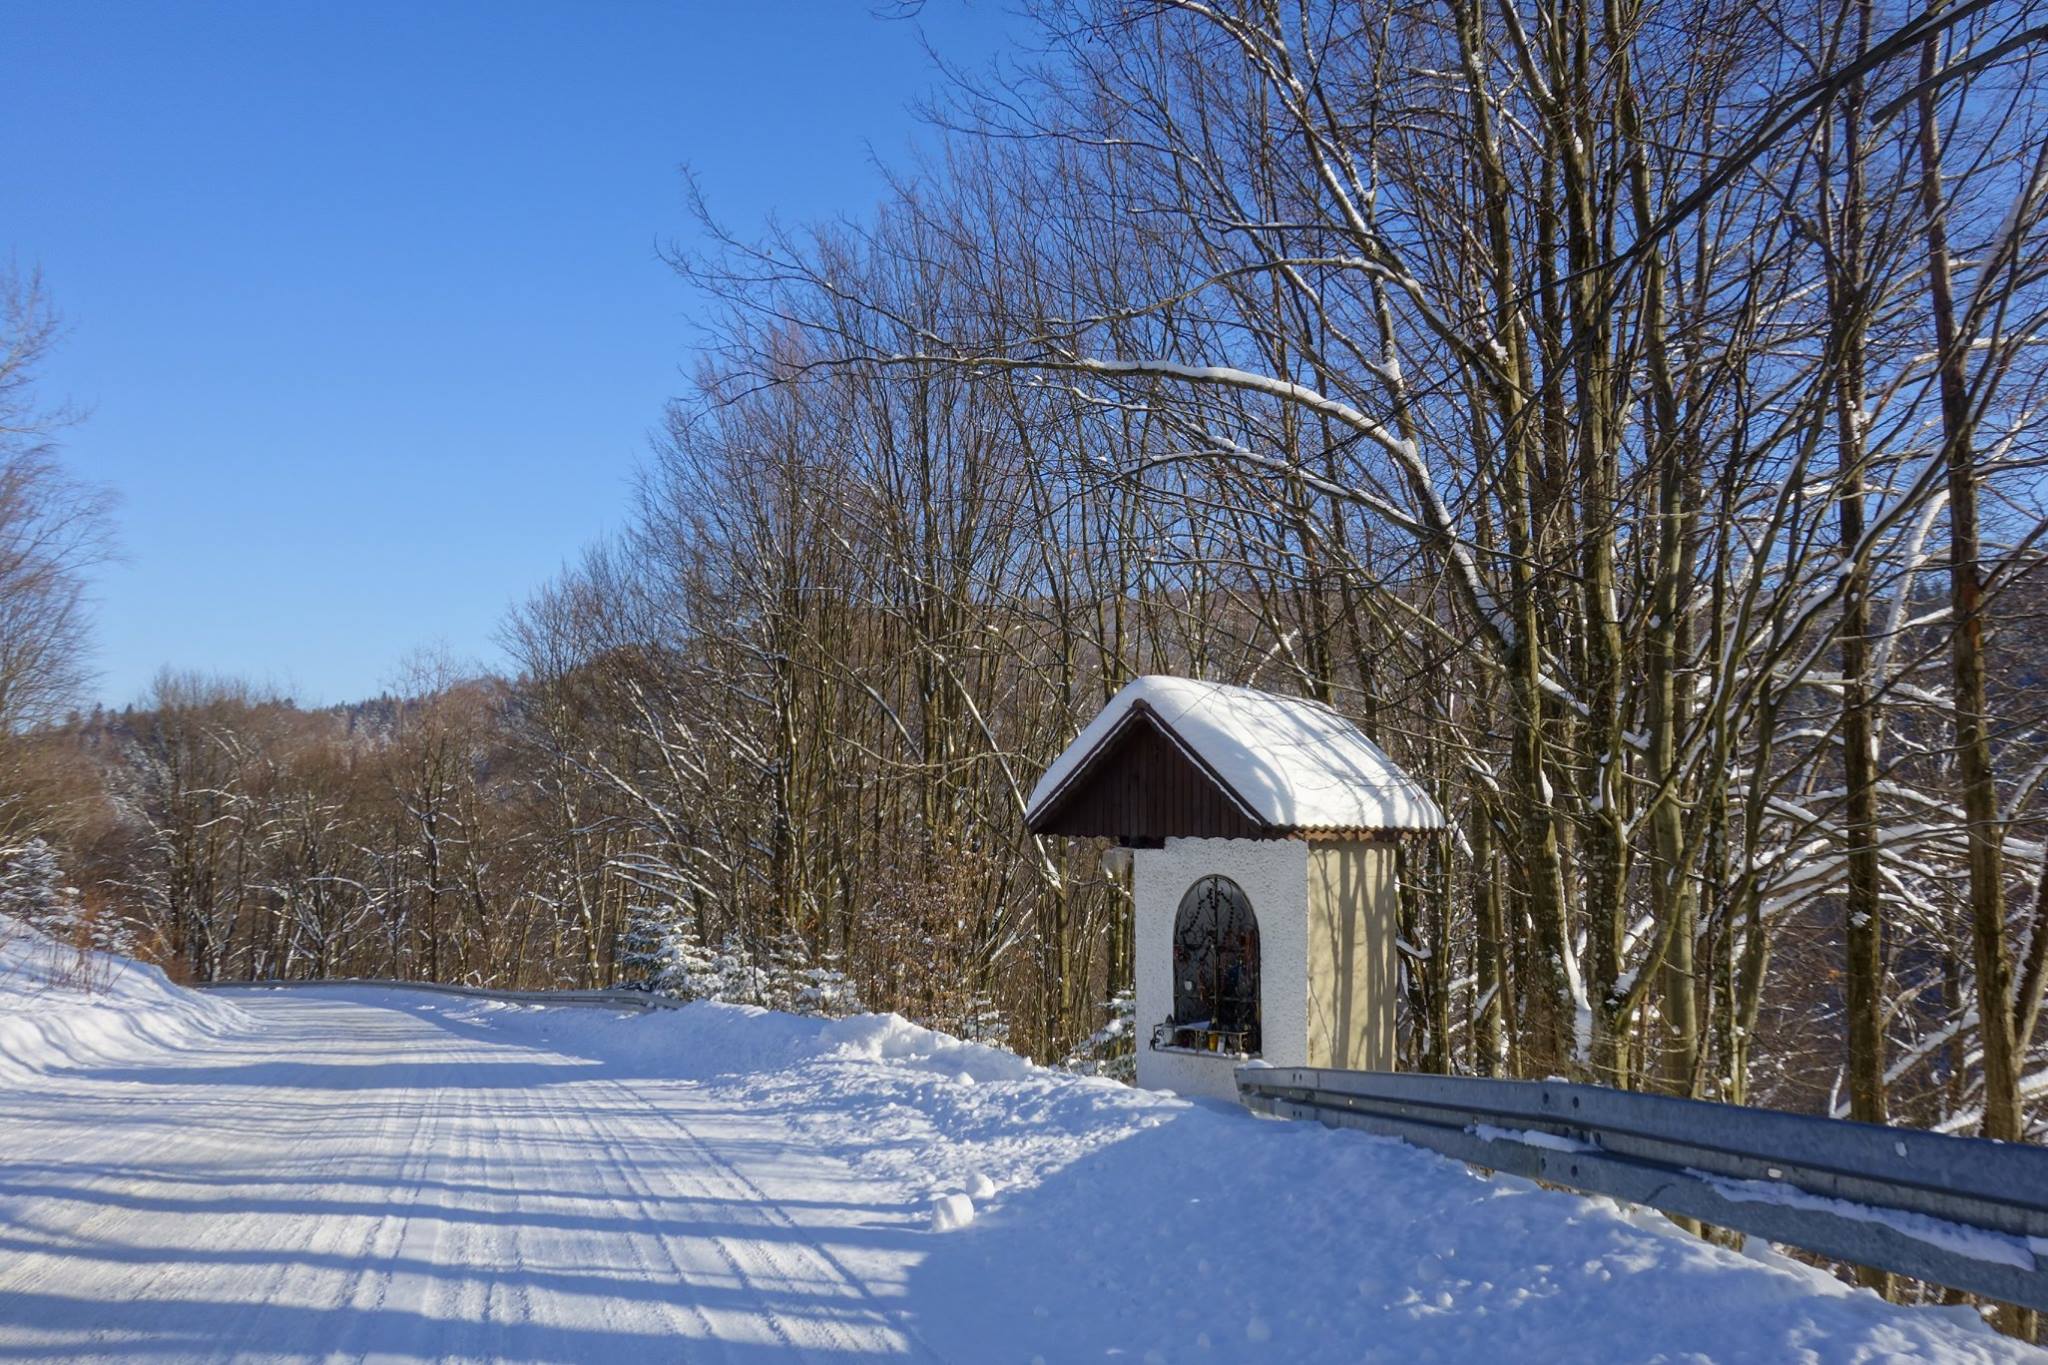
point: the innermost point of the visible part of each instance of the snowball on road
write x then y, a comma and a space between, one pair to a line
356, 1174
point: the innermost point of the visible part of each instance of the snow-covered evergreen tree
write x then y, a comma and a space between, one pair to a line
666, 952
34, 891
1110, 1050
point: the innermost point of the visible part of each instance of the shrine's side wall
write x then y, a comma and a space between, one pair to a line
1274, 876
1352, 975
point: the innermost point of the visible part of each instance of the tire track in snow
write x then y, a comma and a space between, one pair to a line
108, 1201
296, 1281
687, 1319
369, 1296
507, 1297
879, 1316
267, 1245
620, 1162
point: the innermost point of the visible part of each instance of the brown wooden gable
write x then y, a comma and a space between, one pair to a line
1139, 783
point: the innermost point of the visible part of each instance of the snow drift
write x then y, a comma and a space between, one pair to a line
60, 1008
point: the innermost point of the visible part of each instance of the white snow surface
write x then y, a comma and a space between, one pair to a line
357, 1173
60, 1008
1297, 763
1530, 1137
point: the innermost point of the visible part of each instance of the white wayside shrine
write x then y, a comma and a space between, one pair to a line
1261, 832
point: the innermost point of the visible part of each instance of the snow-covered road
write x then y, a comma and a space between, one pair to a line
369, 1178
357, 1174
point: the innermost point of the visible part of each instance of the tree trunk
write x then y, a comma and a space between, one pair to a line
2002, 1110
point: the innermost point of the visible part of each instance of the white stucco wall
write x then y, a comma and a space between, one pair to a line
1274, 875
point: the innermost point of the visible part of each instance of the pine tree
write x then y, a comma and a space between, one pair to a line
35, 892
32, 891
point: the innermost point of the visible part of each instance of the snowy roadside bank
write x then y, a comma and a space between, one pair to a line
996, 1210
59, 1009
1070, 1218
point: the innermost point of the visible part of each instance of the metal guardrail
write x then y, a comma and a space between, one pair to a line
1967, 1213
611, 999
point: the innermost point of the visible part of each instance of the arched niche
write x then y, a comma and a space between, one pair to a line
1215, 971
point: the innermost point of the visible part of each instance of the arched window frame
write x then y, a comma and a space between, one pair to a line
1215, 947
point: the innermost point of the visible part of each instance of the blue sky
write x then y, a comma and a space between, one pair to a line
364, 300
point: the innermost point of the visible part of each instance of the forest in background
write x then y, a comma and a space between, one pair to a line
1630, 414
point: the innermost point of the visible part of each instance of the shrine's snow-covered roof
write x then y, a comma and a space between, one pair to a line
1290, 763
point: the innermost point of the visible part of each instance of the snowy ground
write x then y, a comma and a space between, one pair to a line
373, 1174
